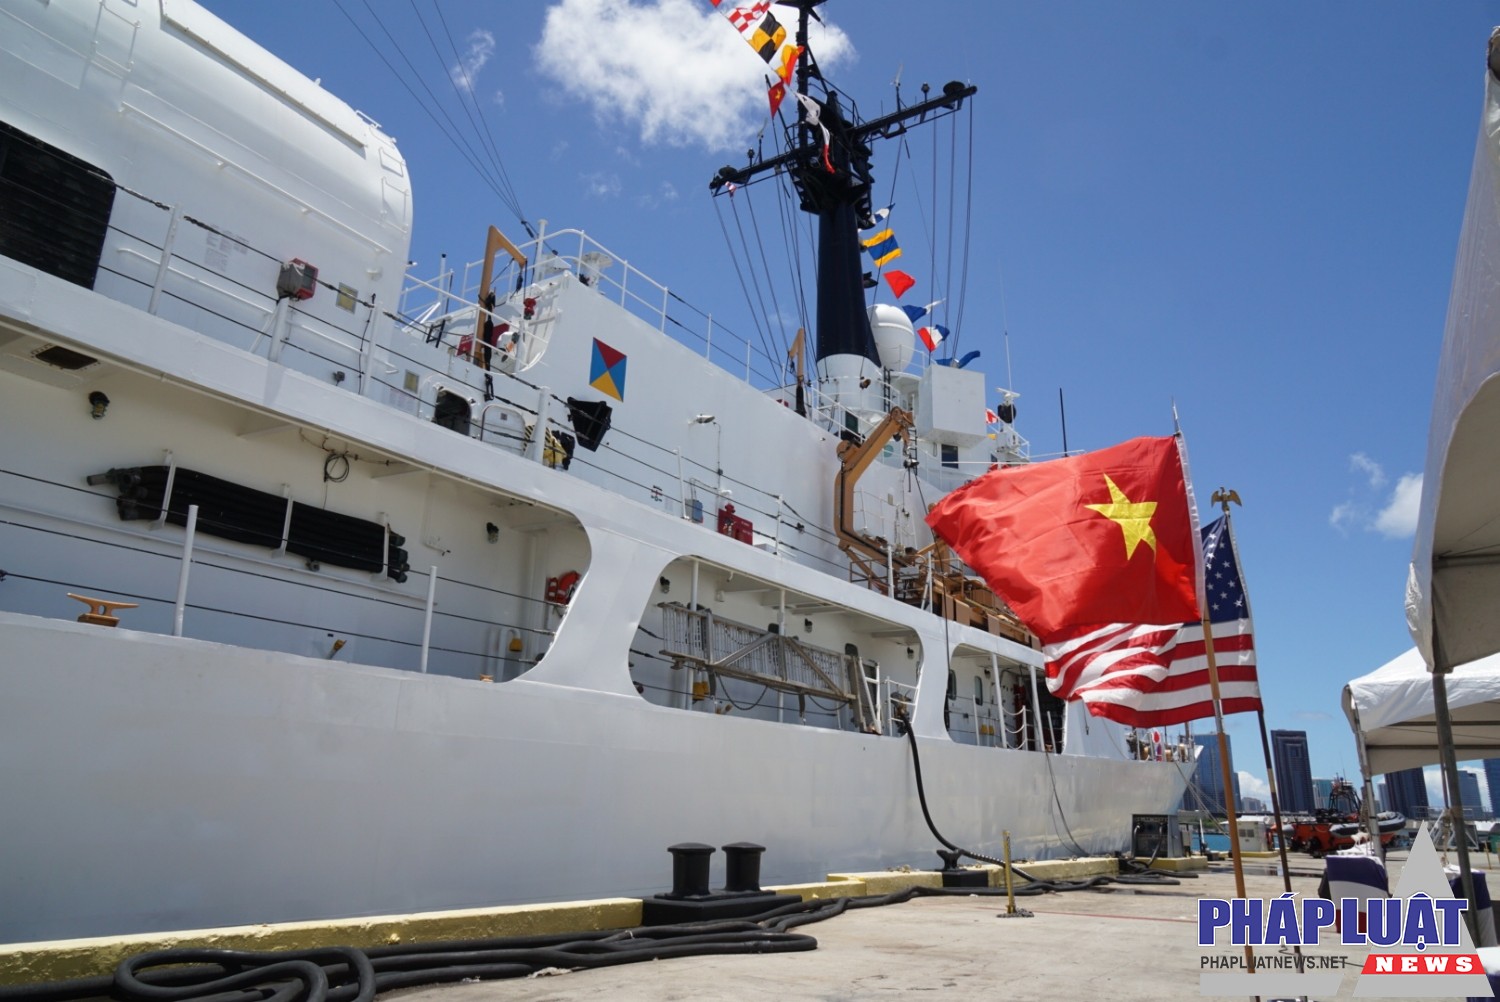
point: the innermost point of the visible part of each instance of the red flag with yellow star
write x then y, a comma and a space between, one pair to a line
1108, 537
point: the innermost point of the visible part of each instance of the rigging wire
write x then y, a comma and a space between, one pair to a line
739, 272
773, 318
464, 149
968, 236
952, 204
489, 135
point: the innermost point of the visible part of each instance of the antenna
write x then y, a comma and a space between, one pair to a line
1063, 412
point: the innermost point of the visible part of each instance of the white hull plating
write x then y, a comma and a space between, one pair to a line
244, 786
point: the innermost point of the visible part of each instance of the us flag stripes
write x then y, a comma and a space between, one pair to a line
1155, 676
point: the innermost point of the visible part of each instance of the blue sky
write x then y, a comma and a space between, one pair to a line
1246, 210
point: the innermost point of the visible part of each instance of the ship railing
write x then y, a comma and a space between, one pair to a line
209, 584
981, 722
228, 291
898, 697
573, 252
723, 647
231, 296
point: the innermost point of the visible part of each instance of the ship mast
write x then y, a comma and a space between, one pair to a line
840, 198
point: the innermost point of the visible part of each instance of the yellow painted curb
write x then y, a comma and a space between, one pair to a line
890, 881
824, 889
63, 960
1069, 869
1183, 863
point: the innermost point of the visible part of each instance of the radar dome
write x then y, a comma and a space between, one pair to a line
895, 337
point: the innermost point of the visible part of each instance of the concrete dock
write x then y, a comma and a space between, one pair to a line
1121, 942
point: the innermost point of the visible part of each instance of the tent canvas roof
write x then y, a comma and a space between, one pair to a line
1455, 570
1393, 707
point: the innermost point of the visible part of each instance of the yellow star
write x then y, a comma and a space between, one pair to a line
1134, 518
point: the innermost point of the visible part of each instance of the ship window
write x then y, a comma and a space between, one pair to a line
451, 411
950, 456
952, 684
978, 691
54, 208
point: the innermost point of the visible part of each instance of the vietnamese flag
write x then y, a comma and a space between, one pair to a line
1108, 537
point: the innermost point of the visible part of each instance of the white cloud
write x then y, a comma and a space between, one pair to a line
601, 185
1254, 786
1398, 519
667, 192
1361, 463
1369, 509
674, 69
481, 48
1344, 516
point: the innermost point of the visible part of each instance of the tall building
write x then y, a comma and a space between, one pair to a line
1383, 798
1468, 791
1407, 792
1293, 770
1492, 781
1206, 792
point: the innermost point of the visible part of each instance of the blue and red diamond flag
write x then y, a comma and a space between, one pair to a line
607, 370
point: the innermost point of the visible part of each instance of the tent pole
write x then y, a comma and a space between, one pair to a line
1286, 872
1440, 670
1371, 827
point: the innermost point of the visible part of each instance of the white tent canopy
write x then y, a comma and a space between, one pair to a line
1392, 711
1454, 588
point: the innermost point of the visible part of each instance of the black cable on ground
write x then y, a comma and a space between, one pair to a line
1033, 885
346, 974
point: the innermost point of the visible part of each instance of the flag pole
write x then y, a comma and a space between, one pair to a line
1222, 498
1286, 873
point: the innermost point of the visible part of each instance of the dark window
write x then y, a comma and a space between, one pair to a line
451, 411
54, 208
950, 456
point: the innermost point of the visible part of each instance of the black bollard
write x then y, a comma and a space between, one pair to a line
742, 867
690, 869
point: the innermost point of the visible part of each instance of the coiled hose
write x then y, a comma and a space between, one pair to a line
348, 974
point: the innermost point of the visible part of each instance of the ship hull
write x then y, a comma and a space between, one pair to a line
158, 783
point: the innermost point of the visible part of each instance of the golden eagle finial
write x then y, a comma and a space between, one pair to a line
1223, 496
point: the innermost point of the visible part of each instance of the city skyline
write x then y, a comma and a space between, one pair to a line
1289, 754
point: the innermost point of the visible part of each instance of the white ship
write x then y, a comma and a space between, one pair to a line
422, 607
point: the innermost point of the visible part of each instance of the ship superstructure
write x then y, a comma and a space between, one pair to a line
472, 590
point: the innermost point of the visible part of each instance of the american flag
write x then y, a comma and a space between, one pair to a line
1153, 676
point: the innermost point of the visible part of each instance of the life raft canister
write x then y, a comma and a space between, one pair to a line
560, 589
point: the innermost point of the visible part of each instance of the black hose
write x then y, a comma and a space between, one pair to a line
1033, 885
916, 763
348, 974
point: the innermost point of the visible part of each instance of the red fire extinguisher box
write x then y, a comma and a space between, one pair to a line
731, 524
